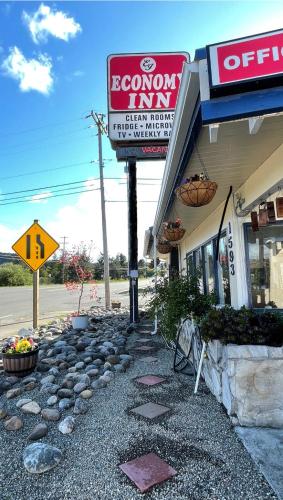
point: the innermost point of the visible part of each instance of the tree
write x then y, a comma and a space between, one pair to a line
14, 275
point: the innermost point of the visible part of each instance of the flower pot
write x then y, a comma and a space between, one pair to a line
196, 193
164, 247
174, 234
20, 364
115, 304
80, 322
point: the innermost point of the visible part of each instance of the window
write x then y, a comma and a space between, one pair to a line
209, 267
265, 265
213, 277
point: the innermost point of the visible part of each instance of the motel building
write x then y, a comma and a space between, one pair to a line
228, 128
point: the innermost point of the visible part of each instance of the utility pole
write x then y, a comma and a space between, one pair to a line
63, 258
133, 239
98, 120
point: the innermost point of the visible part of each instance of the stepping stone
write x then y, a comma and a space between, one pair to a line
150, 410
150, 380
144, 348
143, 340
149, 359
147, 471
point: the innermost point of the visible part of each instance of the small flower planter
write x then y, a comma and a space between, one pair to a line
20, 364
115, 304
80, 322
196, 193
164, 247
174, 234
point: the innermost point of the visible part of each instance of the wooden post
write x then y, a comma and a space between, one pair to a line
35, 293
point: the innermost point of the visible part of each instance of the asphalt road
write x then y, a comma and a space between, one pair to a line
54, 301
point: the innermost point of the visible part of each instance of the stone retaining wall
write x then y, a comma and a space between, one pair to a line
248, 380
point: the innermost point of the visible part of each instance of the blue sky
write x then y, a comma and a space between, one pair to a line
41, 130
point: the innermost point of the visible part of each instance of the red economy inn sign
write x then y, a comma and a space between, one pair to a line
250, 58
142, 95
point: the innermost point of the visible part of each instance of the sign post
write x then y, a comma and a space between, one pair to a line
34, 247
142, 96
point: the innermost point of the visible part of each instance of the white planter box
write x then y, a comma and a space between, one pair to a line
80, 322
248, 380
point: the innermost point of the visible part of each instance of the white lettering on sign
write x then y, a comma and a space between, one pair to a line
232, 62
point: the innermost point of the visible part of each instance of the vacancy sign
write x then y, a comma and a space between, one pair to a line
35, 246
142, 96
255, 57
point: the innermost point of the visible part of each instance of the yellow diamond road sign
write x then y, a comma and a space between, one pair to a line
35, 246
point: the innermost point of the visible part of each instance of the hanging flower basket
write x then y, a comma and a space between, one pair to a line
174, 234
164, 247
196, 191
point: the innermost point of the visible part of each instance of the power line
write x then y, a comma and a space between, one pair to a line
70, 165
49, 197
34, 129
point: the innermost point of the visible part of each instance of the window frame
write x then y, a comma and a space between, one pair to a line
246, 226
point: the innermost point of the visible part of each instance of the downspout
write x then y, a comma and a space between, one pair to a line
154, 332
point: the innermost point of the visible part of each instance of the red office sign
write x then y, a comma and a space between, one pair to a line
252, 58
142, 95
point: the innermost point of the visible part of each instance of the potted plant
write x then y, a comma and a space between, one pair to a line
173, 231
196, 191
19, 355
163, 246
77, 265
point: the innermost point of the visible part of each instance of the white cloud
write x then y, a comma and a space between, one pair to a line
81, 221
40, 198
78, 73
32, 74
45, 22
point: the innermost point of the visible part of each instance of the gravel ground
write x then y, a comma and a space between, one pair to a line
196, 438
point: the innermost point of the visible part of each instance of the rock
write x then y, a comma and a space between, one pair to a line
98, 384
84, 378
108, 374
87, 394
41, 367
80, 365
119, 368
31, 408
47, 380
108, 344
4, 386
63, 366
53, 388
93, 373
60, 343
127, 357
12, 380
13, 393
80, 407
67, 384
3, 412
13, 424
50, 414
30, 386
113, 360
41, 457
39, 431
72, 369
98, 361
52, 400
65, 393
67, 425
107, 365
79, 387
65, 404
22, 402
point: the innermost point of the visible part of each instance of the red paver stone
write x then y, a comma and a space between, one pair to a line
149, 359
150, 380
148, 470
144, 348
150, 410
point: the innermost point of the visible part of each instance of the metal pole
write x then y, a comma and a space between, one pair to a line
155, 280
133, 239
199, 367
35, 294
103, 218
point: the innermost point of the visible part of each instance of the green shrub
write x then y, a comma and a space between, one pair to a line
243, 326
14, 275
176, 299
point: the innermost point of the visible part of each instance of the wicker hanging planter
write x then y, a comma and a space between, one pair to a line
196, 191
174, 234
164, 247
